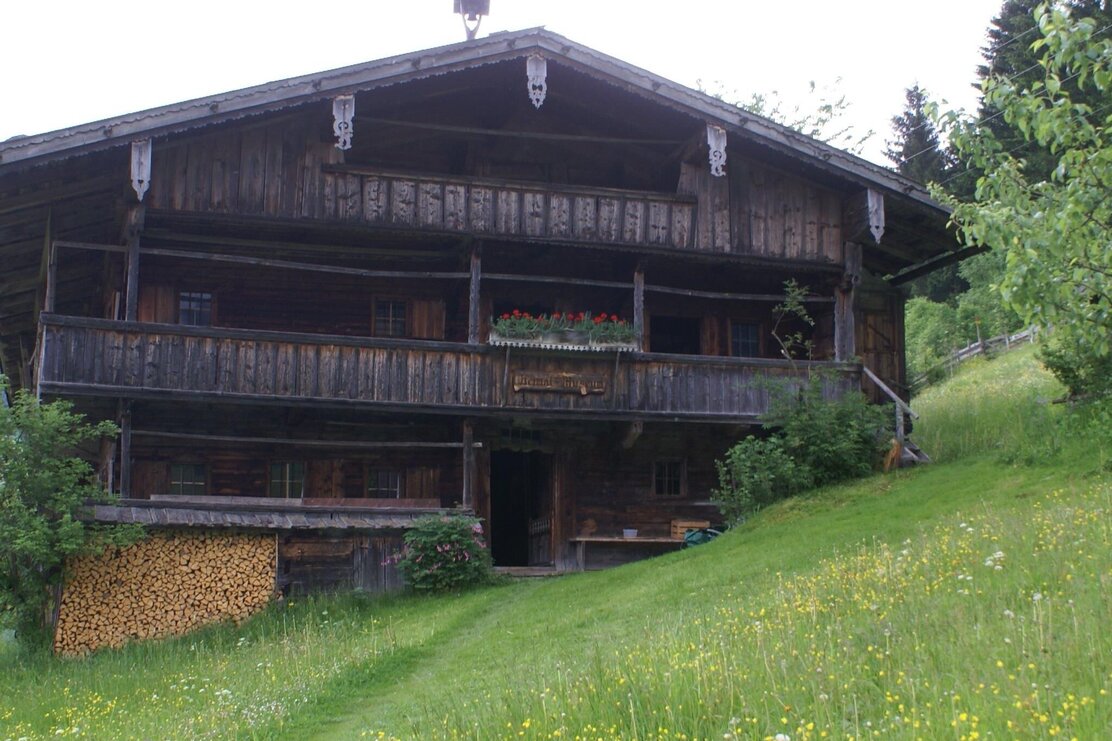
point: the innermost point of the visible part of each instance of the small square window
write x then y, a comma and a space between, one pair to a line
195, 308
745, 340
287, 480
668, 478
187, 479
383, 484
389, 318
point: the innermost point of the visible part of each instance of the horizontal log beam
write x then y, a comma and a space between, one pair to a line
734, 296
303, 442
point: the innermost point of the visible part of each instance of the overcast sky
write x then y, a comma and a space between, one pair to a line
73, 61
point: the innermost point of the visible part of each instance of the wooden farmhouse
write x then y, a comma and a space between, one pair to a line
291, 299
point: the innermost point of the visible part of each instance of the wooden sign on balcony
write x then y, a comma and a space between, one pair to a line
570, 383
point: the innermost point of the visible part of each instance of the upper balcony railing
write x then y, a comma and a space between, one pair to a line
128, 359
519, 210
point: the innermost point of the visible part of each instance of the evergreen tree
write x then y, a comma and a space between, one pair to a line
917, 152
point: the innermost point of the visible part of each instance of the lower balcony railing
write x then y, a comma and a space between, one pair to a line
133, 360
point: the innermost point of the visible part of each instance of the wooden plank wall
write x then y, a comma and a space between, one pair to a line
288, 168
244, 364
315, 562
783, 216
880, 339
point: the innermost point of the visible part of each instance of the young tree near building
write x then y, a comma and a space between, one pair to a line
1055, 231
42, 486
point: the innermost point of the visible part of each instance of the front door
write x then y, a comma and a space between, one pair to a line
520, 508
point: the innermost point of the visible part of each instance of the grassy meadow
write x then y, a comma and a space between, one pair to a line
962, 600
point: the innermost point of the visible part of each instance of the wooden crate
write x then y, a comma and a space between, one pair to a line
680, 527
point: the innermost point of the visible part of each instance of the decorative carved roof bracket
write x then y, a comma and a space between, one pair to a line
716, 143
343, 113
141, 167
536, 71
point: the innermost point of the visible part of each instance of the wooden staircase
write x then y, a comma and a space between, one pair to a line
907, 453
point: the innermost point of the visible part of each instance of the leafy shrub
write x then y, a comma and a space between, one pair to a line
834, 440
43, 485
1080, 368
445, 552
813, 442
755, 473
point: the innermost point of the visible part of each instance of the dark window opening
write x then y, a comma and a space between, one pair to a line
187, 479
668, 478
389, 318
195, 308
287, 480
745, 340
383, 484
674, 334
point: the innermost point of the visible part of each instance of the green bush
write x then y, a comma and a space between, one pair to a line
1081, 369
445, 552
755, 473
813, 442
834, 440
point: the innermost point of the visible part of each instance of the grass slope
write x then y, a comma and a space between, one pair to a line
961, 600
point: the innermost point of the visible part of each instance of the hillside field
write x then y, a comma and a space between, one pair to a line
965, 600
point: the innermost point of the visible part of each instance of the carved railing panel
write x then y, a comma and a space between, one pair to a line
554, 213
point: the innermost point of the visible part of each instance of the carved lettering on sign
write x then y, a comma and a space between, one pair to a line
568, 383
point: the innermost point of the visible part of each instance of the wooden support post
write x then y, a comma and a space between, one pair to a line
473, 297
125, 449
633, 431
468, 465
51, 279
639, 306
134, 226
844, 329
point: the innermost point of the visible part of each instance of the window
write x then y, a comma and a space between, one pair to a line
745, 340
187, 479
389, 318
674, 334
383, 484
195, 308
287, 480
669, 478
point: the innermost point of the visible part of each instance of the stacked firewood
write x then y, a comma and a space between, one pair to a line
164, 585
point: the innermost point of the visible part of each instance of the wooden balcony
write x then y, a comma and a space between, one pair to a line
552, 213
135, 360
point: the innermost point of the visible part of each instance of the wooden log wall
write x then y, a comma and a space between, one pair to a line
612, 488
243, 471
165, 585
783, 216
240, 364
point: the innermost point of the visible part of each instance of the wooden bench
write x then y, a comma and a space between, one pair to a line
640, 540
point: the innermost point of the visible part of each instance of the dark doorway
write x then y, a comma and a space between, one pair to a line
520, 508
674, 334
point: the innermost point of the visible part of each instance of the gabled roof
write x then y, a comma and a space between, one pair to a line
273, 96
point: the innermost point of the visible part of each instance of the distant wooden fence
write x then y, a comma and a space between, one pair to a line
998, 344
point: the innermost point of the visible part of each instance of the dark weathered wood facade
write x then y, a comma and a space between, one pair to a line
268, 314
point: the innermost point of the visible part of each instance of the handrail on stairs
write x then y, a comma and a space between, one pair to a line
901, 405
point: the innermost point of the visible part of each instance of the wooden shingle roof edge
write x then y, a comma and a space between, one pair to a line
254, 517
497, 47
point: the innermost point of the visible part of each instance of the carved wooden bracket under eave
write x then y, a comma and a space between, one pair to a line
536, 72
343, 114
141, 167
716, 144
863, 214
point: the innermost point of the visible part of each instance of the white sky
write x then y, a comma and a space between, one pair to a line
68, 62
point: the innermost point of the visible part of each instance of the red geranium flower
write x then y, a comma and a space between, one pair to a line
517, 312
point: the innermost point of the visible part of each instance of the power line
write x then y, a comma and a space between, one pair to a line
1014, 149
996, 115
